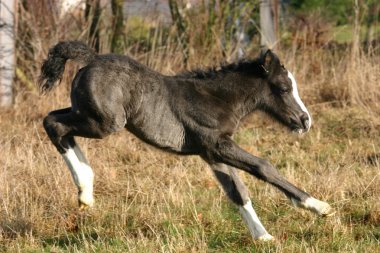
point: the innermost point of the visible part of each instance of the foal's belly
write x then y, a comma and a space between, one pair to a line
158, 127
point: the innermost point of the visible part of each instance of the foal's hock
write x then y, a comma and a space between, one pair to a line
193, 113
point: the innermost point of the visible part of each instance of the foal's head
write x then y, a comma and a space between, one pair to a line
280, 95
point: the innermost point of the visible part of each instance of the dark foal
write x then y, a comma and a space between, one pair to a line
194, 113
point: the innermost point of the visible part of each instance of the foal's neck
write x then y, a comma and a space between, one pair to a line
237, 84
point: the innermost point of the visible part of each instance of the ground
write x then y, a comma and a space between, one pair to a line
150, 201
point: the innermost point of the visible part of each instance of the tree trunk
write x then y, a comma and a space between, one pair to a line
180, 23
276, 20
268, 34
355, 50
92, 14
118, 37
7, 50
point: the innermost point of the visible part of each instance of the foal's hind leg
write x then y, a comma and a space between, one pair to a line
81, 172
61, 126
238, 193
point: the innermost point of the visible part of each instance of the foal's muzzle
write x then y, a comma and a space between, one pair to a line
305, 121
301, 124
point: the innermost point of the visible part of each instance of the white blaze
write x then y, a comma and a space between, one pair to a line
83, 176
297, 97
254, 225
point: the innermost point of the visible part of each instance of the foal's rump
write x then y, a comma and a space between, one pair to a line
98, 94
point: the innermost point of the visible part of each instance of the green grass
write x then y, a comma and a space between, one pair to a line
343, 34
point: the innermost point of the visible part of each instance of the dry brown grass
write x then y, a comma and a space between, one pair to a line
150, 201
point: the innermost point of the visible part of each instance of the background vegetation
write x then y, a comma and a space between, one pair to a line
150, 201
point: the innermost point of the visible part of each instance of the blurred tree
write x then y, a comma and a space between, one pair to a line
267, 23
211, 19
7, 50
241, 17
344, 12
339, 11
181, 25
92, 14
118, 36
372, 21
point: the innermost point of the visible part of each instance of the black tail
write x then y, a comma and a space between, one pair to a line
54, 66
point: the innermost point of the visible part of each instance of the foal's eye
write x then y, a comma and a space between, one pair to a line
281, 90
284, 90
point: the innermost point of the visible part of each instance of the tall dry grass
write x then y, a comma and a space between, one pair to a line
150, 201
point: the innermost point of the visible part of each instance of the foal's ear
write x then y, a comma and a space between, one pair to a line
267, 59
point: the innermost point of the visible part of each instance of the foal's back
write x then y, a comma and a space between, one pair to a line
123, 93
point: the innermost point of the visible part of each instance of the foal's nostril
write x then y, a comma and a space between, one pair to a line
305, 120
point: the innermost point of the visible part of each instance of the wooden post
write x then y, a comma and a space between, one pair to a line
276, 20
268, 35
7, 50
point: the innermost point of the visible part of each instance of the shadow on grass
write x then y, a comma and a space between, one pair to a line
70, 240
10, 229
373, 159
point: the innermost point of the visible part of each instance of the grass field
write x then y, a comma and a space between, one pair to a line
150, 201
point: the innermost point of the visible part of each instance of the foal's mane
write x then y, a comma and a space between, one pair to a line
244, 66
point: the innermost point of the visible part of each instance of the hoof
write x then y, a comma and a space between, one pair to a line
316, 206
83, 207
265, 238
85, 201
327, 211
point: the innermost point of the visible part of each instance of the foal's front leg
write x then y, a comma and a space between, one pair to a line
238, 194
228, 152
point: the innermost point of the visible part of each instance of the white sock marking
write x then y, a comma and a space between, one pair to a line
254, 225
297, 97
83, 176
315, 205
